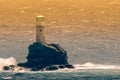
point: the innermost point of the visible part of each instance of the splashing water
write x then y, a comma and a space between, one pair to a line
7, 62
89, 65
96, 66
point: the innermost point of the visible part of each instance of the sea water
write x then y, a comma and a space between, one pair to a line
87, 71
89, 30
81, 74
78, 75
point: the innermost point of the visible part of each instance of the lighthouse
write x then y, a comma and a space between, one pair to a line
44, 56
40, 38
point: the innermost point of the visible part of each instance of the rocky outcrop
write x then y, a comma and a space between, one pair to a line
46, 57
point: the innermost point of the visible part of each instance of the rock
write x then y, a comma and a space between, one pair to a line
61, 66
38, 67
10, 67
47, 53
48, 68
51, 68
5, 68
43, 55
69, 66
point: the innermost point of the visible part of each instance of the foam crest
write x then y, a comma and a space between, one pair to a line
96, 66
12, 61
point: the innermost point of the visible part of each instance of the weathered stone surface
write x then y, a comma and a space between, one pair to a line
61, 66
5, 68
69, 66
45, 55
51, 67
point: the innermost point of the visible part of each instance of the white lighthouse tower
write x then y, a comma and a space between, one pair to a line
40, 38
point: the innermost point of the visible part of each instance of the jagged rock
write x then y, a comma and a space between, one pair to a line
51, 68
38, 67
61, 66
10, 67
69, 66
5, 68
45, 55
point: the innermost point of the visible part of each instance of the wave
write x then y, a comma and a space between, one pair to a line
88, 65
7, 62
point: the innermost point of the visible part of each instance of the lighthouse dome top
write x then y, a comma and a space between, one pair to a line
40, 18
40, 21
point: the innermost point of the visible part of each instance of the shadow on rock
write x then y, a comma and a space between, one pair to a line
45, 55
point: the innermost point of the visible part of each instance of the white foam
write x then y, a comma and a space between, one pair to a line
89, 65
7, 62
95, 66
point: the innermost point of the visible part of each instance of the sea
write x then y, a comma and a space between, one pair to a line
89, 30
